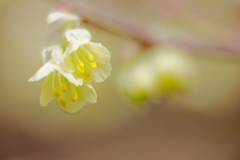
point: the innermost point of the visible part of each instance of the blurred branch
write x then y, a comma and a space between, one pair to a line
228, 30
95, 14
130, 28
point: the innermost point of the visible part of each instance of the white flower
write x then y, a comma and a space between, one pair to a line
160, 71
137, 79
174, 67
68, 89
86, 59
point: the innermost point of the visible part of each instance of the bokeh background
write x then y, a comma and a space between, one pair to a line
202, 124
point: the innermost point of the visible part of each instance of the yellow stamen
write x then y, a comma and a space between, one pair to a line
81, 70
93, 65
62, 102
55, 92
91, 58
86, 73
63, 87
74, 97
81, 64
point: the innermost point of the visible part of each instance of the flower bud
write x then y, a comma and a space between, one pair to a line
174, 69
57, 24
137, 80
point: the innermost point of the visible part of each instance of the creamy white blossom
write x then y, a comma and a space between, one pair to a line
71, 63
87, 60
68, 89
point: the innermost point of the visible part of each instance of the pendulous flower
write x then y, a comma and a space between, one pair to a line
73, 63
68, 89
87, 60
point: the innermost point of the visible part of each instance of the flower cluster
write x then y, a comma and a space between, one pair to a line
163, 71
74, 63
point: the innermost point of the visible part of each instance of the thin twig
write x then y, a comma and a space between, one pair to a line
130, 28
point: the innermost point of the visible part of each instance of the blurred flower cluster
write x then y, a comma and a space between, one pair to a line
161, 70
74, 62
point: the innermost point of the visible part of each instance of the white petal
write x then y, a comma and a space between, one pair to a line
57, 24
42, 72
68, 64
102, 72
57, 54
73, 107
69, 76
85, 93
100, 53
45, 51
72, 47
46, 94
55, 16
77, 35
80, 81
89, 93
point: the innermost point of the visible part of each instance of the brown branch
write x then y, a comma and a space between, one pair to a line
108, 19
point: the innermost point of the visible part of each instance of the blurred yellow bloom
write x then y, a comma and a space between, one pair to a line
174, 69
160, 71
137, 79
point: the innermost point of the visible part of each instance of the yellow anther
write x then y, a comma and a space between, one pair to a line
81, 70
55, 92
91, 58
86, 73
62, 102
63, 87
81, 64
93, 65
74, 97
